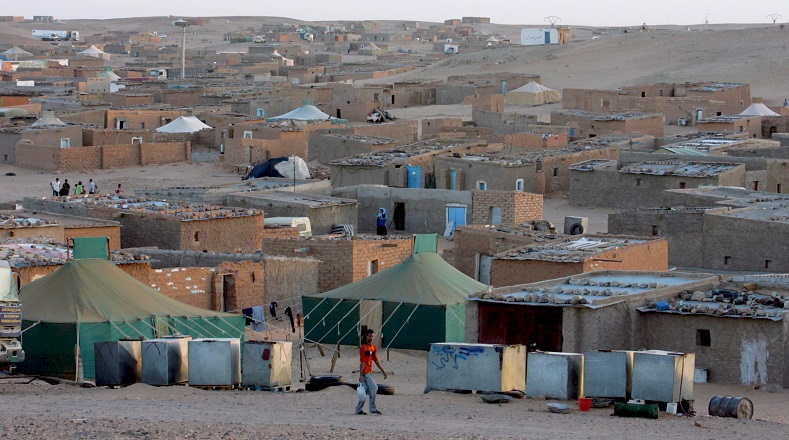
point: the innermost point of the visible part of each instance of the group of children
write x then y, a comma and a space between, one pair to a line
64, 188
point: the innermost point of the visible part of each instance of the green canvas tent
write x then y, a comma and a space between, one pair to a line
92, 300
417, 302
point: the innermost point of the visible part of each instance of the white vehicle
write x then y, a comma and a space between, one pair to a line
301, 223
48, 35
11, 317
258, 39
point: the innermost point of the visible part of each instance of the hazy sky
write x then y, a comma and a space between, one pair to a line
577, 12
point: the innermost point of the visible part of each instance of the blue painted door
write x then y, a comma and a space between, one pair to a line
414, 177
456, 215
547, 38
504, 87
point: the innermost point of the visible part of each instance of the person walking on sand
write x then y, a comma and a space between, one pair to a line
118, 190
367, 355
91, 187
380, 224
55, 186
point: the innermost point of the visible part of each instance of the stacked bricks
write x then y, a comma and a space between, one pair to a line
345, 259
516, 207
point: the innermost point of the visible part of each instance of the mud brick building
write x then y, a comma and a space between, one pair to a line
475, 245
59, 228
588, 124
167, 225
344, 259
571, 256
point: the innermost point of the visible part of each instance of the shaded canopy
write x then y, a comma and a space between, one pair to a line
94, 290
424, 278
16, 50
183, 124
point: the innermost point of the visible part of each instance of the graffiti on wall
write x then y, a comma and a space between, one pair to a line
450, 355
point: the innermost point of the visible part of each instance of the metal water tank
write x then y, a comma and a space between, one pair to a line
608, 374
215, 362
554, 375
165, 360
117, 362
479, 367
266, 364
663, 376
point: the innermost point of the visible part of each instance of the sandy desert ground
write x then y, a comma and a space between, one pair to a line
40, 410
725, 53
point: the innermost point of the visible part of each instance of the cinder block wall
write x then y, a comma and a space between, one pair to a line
516, 207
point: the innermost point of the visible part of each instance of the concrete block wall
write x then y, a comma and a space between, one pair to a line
516, 207
388, 253
472, 241
120, 156
162, 153
534, 141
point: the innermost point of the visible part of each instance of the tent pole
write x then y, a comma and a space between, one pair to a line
77, 356
338, 322
324, 316
357, 323
402, 326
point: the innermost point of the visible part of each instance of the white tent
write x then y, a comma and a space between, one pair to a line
307, 112
183, 124
532, 94
758, 109
95, 52
372, 49
296, 165
110, 75
15, 53
48, 119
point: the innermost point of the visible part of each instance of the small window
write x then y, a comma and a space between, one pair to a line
261, 112
703, 338
253, 277
777, 187
740, 128
247, 135
65, 142
375, 97
142, 125
372, 267
726, 260
196, 237
639, 181
718, 113
481, 185
660, 93
643, 94
681, 185
756, 185
519, 185
768, 264
655, 230
555, 172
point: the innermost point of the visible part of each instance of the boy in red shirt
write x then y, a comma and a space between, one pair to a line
367, 355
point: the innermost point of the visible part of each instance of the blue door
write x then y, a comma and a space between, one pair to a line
456, 215
414, 177
504, 87
547, 38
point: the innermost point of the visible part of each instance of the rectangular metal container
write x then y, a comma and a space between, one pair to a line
479, 367
165, 360
555, 375
117, 362
215, 362
266, 364
663, 376
608, 374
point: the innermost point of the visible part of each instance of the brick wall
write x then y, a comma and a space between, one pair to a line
37, 158
516, 207
113, 232
535, 141
471, 241
232, 234
344, 261
241, 283
189, 285
650, 256
161, 153
120, 156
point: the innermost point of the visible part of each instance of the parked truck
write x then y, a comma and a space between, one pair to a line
11, 351
48, 35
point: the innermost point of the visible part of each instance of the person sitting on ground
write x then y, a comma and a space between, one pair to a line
118, 190
367, 355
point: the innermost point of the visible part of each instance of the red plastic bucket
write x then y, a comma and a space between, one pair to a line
584, 404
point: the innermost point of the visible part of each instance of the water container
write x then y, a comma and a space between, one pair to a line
727, 406
644, 411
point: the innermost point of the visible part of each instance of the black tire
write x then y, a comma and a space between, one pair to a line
577, 229
385, 390
325, 380
315, 386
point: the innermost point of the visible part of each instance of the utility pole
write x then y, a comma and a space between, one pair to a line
183, 24
774, 17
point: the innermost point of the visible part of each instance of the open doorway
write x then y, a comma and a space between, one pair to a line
399, 216
228, 291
